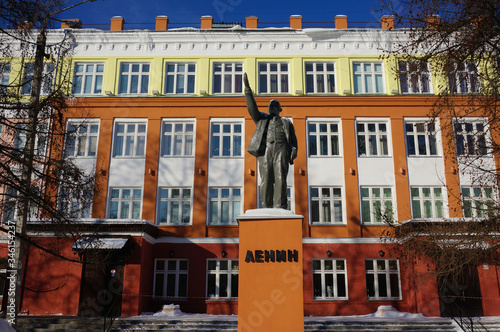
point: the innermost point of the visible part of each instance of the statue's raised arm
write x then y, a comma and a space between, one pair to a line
250, 100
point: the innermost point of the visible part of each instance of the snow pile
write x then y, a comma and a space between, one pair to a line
169, 310
388, 311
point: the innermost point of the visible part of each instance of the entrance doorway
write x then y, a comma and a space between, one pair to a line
460, 294
101, 291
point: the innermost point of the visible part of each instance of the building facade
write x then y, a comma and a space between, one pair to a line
160, 118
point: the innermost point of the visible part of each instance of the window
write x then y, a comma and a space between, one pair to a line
382, 279
368, 77
414, 77
177, 139
421, 139
372, 139
323, 139
326, 205
320, 77
46, 86
174, 206
273, 77
125, 203
88, 78
329, 279
225, 206
228, 77
10, 206
20, 138
171, 278
4, 76
81, 139
222, 278
427, 202
478, 202
376, 204
463, 78
134, 78
180, 77
226, 140
471, 138
75, 203
129, 139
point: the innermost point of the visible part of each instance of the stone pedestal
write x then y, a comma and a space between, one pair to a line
270, 293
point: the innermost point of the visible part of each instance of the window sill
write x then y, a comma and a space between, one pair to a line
331, 299
328, 224
385, 299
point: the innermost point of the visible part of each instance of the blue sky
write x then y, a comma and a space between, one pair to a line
190, 11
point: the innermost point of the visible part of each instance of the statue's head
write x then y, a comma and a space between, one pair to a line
274, 107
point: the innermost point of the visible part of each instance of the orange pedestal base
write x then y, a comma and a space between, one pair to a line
270, 295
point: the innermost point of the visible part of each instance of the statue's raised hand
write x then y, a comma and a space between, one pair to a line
245, 81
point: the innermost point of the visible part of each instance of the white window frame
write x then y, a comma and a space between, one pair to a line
232, 270
179, 271
75, 202
385, 208
468, 134
478, 200
279, 75
47, 79
4, 76
422, 139
41, 137
10, 207
321, 79
387, 271
215, 218
91, 76
142, 75
137, 139
323, 135
230, 72
120, 200
432, 198
368, 75
235, 142
464, 78
323, 201
178, 138
83, 136
325, 271
381, 147
414, 78
183, 76
177, 203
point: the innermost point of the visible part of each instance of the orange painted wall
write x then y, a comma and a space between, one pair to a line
58, 292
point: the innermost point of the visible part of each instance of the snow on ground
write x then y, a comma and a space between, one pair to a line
383, 313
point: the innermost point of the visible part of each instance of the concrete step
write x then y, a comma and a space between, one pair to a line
79, 324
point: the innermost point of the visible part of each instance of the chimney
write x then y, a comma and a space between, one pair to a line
387, 22
296, 22
24, 25
161, 23
433, 21
251, 22
206, 22
72, 23
341, 22
117, 23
